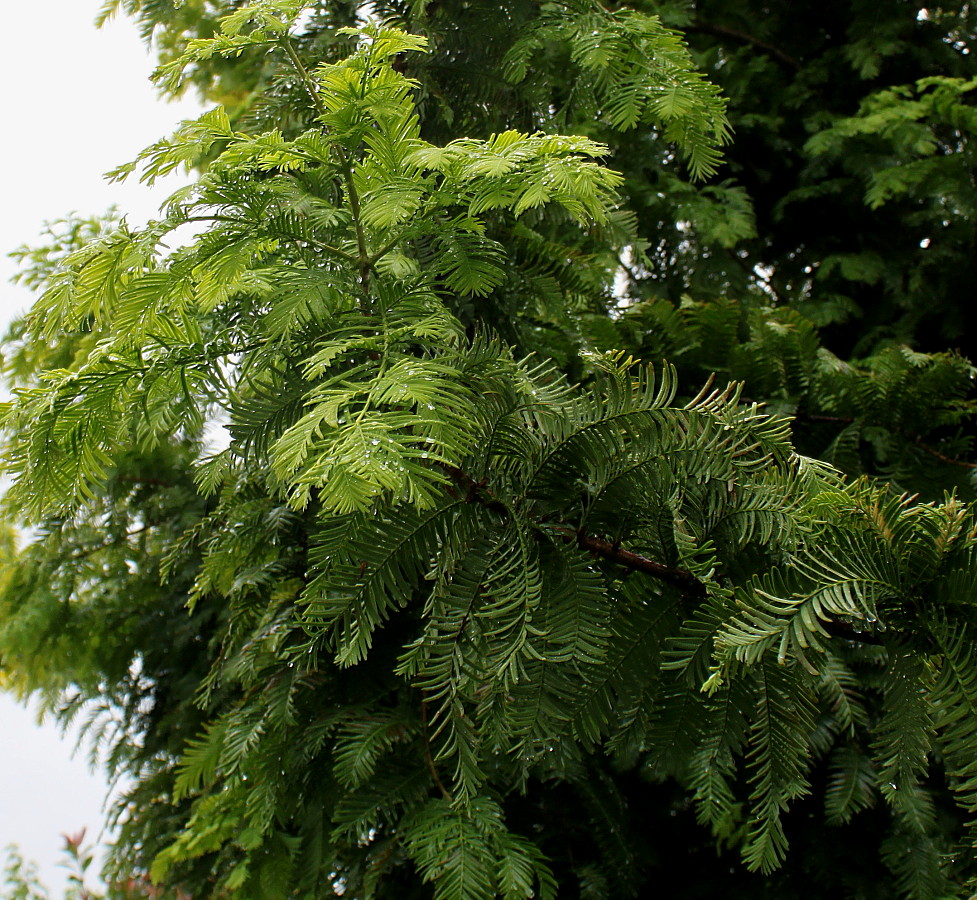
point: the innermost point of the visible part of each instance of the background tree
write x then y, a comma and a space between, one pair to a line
481, 622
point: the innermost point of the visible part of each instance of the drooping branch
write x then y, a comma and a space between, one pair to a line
942, 457
742, 37
685, 582
917, 441
429, 757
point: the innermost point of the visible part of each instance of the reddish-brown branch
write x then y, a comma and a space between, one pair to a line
686, 582
429, 757
690, 587
742, 37
926, 448
815, 417
475, 491
478, 492
949, 460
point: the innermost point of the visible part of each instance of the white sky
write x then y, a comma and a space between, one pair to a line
76, 102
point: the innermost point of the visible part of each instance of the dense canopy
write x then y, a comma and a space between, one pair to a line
532, 459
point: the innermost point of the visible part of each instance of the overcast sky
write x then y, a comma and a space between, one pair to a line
76, 102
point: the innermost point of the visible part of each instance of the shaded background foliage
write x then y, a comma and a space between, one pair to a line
827, 263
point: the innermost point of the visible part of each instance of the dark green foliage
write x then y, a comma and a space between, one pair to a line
483, 595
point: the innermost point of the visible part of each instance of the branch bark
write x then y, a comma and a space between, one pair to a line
429, 757
742, 37
685, 582
926, 448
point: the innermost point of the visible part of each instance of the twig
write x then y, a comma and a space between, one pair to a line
963, 464
686, 582
743, 37
345, 165
926, 448
429, 758
303, 73
325, 248
688, 585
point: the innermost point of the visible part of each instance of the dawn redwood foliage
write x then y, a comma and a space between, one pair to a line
530, 460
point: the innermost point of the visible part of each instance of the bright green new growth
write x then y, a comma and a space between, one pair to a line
343, 256
442, 578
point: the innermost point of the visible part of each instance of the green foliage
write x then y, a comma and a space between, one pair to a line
20, 878
907, 122
634, 70
469, 854
21, 881
383, 539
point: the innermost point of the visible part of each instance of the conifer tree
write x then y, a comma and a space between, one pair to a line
535, 560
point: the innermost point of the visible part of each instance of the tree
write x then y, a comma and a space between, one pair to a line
484, 598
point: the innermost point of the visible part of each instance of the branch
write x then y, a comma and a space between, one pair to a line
943, 458
926, 448
115, 543
303, 73
152, 482
429, 759
476, 491
685, 582
326, 248
815, 417
743, 37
